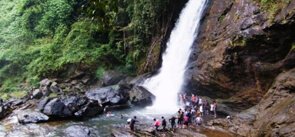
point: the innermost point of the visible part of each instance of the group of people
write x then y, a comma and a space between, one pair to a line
197, 104
195, 108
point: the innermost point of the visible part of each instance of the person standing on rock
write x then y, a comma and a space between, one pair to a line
200, 102
193, 100
201, 110
206, 107
132, 123
212, 108
180, 118
164, 123
157, 124
215, 107
186, 121
172, 122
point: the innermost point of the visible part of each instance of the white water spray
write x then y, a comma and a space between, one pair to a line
168, 82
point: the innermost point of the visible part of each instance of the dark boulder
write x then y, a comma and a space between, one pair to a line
42, 103
70, 106
112, 95
54, 108
140, 96
27, 116
80, 131
73, 103
91, 109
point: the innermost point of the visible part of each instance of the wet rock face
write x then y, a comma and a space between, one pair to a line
276, 111
25, 117
244, 57
273, 116
240, 50
80, 131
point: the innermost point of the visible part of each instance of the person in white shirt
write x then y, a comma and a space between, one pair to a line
198, 120
201, 110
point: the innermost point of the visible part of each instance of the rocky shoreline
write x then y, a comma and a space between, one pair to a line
50, 103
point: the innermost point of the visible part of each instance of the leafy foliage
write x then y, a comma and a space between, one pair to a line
40, 38
272, 6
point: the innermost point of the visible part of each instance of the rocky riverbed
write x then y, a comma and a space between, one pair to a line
102, 126
49, 111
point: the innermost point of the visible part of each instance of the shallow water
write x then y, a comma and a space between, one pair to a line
102, 124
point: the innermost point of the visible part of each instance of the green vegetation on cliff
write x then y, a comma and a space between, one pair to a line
273, 6
43, 38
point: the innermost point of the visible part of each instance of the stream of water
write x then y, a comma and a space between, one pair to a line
169, 81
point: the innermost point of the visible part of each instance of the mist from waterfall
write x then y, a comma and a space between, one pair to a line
169, 81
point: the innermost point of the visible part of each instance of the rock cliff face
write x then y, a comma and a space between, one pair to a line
241, 49
244, 57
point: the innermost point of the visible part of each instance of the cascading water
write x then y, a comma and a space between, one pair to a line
168, 82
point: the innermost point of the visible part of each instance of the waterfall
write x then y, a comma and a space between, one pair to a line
169, 81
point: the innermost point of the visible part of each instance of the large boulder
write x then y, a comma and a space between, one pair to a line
54, 107
28, 116
112, 78
80, 131
70, 106
91, 109
140, 96
42, 103
112, 95
73, 103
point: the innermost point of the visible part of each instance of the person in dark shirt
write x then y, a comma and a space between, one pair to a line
164, 123
180, 118
132, 123
172, 122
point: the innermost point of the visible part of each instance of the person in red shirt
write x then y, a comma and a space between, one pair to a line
157, 124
